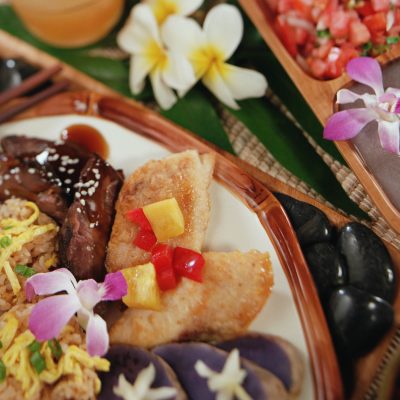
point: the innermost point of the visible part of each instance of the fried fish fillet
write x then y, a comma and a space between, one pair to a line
234, 289
185, 176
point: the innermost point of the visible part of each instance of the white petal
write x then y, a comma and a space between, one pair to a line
164, 95
145, 379
139, 69
178, 72
244, 83
140, 29
215, 83
224, 28
187, 7
183, 35
389, 136
345, 96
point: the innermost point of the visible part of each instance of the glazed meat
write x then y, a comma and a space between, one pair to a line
20, 180
86, 229
20, 146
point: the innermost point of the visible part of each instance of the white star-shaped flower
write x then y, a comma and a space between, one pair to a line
141, 389
227, 383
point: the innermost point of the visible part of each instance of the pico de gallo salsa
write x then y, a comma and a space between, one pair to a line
323, 35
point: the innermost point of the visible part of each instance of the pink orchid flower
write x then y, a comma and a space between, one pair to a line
50, 315
383, 107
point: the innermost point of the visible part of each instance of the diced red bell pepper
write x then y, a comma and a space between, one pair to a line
167, 279
145, 239
380, 5
301, 36
359, 33
138, 217
317, 67
376, 22
365, 8
162, 256
287, 35
188, 263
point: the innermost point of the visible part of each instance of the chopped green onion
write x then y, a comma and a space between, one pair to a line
366, 48
323, 33
55, 348
2, 371
38, 362
1, 344
5, 241
6, 228
34, 346
24, 270
392, 39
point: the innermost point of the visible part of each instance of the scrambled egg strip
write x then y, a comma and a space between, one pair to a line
16, 358
20, 233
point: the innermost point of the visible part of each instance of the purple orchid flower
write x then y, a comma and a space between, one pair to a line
383, 107
50, 315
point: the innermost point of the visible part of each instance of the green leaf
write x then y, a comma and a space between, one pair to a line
38, 362
196, 113
262, 59
5, 241
34, 346
24, 270
289, 147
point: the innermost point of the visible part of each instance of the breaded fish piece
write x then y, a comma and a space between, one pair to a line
234, 289
185, 176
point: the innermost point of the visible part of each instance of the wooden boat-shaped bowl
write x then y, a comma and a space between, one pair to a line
320, 95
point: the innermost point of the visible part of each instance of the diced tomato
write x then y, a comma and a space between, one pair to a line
145, 239
348, 52
188, 263
287, 35
359, 33
162, 256
301, 36
380, 5
339, 24
137, 217
167, 279
301, 7
376, 23
364, 8
323, 50
317, 67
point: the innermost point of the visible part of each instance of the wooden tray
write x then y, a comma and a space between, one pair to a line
320, 95
149, 123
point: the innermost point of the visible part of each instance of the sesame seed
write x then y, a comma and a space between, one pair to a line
31, 170
84, 192
91, 191
97, 176
73, 161
70, 171
77, 195
7, 192
79, 210
6, 177
92, 225
95, 170
68, 181
65, 158
61, 169
49, 174
82, 201
51, 151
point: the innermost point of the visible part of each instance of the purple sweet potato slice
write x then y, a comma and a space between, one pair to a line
182, 357
273, 354
130, 360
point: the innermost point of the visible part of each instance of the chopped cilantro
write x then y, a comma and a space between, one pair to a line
55, 348
323, 33
5, 241
392, 39
2, 371
366, 48
34, 346
24, 270
38, 362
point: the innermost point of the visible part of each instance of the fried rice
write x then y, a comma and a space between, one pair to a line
68, 387
40, 253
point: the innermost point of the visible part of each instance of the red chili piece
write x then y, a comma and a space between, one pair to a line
138, 217
188, 263
145, 239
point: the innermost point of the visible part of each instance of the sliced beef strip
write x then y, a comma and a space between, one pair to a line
87, 227
20, 180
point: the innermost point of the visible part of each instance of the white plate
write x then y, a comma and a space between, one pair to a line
232, 225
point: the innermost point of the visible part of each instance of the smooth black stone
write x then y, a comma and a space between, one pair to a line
358, 320
310, 223
327, 267
14, 71
370, 267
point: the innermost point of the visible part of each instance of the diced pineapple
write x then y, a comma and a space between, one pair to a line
143, 291
166, 219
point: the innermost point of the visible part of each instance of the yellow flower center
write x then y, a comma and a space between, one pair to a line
207, 59
163, 9
156, 55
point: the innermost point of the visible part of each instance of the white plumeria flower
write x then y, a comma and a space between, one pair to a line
208, 49
141, 389
227, 384
162, 9
167, 69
